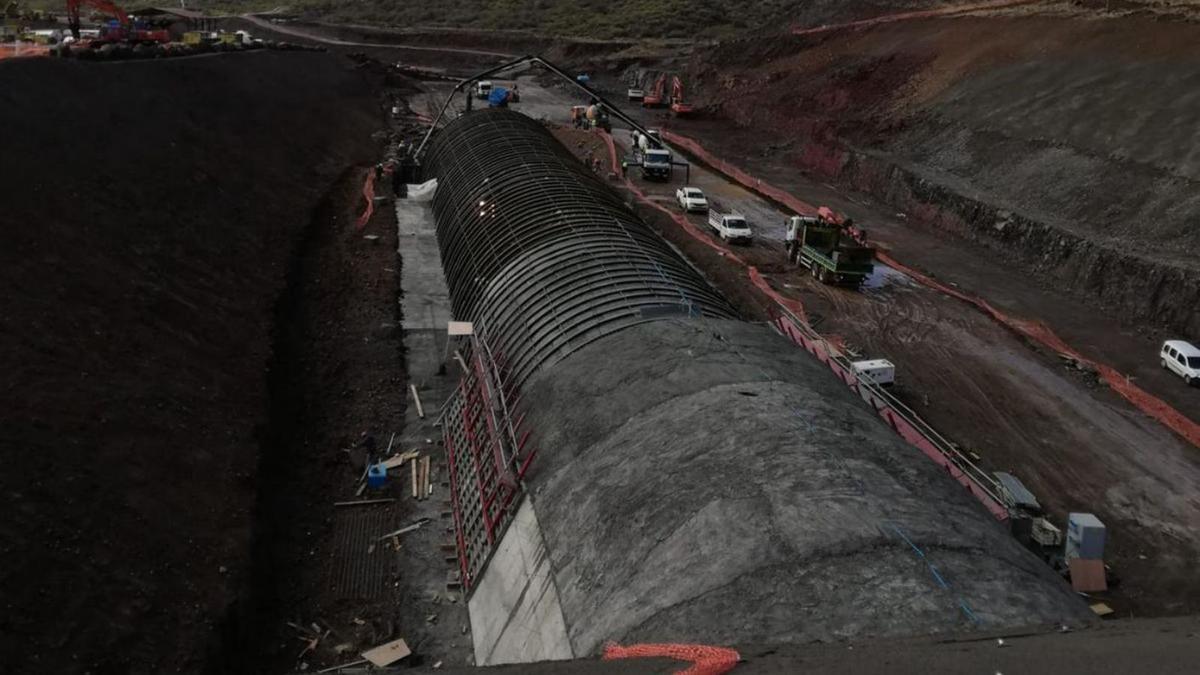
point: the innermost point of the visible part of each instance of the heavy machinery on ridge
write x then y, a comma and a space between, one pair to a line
125, 30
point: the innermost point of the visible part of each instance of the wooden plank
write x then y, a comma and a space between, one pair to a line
397, 460
388, 653
414, 478
417, 400
365, 502
425, 477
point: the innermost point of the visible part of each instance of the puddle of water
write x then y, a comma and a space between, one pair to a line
884, 276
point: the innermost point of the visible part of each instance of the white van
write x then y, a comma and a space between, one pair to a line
1181, 358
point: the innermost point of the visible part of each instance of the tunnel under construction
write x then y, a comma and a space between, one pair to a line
630, 461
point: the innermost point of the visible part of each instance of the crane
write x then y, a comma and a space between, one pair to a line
127, 31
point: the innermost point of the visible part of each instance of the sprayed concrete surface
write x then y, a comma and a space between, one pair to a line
515, 613
713, 484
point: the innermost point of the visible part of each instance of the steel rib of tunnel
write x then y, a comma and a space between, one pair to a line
540, 253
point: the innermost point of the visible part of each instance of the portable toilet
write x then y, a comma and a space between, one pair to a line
1085, 537
376, 476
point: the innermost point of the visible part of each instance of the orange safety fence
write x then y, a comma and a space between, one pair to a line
10, 51
1039, 332
705, 660
368, 192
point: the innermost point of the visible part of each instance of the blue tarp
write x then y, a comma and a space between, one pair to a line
498, 98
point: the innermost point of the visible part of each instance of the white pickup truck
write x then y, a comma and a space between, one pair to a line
483, 89
691, 199
731, 227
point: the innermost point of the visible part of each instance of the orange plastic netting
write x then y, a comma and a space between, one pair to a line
705, 660
368, 193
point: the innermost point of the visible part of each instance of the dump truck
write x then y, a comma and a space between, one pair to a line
655, 162
828, 250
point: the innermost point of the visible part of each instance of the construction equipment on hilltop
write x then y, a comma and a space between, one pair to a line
124, 31
578, 118
679, 107
830, 247
656, 96
499, 97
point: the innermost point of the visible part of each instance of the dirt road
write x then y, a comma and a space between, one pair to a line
317, 37
1077, 445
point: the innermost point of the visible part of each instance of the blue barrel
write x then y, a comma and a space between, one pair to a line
376, 476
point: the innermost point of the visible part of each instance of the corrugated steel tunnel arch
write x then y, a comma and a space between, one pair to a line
539, 252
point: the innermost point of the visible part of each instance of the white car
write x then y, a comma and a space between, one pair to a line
691, 199
1181, 358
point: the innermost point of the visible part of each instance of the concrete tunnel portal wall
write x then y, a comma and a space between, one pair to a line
698, 479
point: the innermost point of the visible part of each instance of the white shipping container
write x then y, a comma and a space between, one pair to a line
879, 371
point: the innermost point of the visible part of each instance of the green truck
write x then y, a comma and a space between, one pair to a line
828, 251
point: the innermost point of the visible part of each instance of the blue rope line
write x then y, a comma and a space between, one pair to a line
962, 604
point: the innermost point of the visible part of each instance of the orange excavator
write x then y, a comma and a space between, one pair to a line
124, 31
655, 97
679, 107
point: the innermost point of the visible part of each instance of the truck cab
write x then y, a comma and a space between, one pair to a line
656, 164
483, 89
